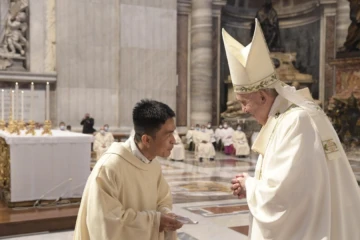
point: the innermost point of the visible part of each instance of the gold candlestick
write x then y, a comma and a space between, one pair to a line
31, 128
2, 125
13, 127
47, 128
21, 125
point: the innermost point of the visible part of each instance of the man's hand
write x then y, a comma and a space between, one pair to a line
169, 223
238, 185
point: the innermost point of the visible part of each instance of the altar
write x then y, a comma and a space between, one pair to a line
43, 167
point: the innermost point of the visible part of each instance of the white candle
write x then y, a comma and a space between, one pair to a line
16, 101
12, 104
2, 104
31, 101
47, 101
22, 105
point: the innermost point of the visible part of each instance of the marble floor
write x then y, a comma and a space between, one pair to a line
201, 192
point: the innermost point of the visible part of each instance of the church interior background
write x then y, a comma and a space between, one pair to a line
62, 59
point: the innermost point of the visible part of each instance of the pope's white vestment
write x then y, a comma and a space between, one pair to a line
178, 151
123, 199
102, 143
297, 193
240, 143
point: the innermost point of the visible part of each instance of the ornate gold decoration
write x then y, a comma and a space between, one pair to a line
4, 165
47, 128
31, 128
21, 125
262, 84
2, 125
13, 127
330, 146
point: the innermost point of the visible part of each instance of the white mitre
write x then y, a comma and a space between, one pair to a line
252, 69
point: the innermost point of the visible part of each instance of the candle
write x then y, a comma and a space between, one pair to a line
12, 104
47, 101
16, 110
31, 101
22, 105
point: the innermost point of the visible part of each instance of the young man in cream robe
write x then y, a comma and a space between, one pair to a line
240, 142
178, 151
126, 196
102, 142
303, 188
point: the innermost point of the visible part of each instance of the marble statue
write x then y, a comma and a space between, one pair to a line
286, 69
14, 39
269, 22
352, 42
233, 110
14, 42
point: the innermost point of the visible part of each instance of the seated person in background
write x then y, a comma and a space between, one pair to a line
210, 131
62, 126
219, 132
178, 151
227, 139
189, 139
102, 142
106, 127
68, 128
240, 143
203, 146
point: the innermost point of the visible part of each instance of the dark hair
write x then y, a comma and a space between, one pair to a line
149, 116
68, 127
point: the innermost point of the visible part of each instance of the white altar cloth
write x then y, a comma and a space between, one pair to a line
48, 167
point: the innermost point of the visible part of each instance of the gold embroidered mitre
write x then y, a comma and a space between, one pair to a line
251, 67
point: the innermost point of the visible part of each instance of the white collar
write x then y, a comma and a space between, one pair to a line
135, 150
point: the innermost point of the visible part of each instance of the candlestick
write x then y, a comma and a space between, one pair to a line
31, 101
12, 104
22, 105
47, 101
16, 109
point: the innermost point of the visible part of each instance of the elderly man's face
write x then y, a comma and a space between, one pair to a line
254, 104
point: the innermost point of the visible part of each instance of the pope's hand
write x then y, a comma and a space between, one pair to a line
169, 223
238, 185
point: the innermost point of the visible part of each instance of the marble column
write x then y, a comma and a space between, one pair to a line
342, 22
201, 62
